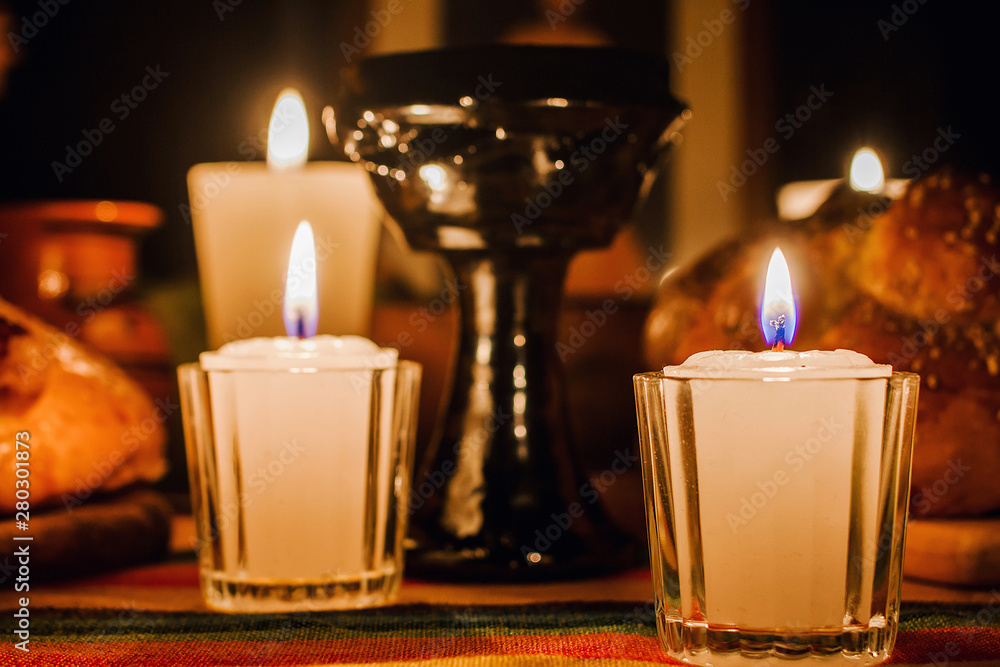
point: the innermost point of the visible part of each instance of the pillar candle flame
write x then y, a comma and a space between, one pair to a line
301, 309
866, 171
288, 132
777, 308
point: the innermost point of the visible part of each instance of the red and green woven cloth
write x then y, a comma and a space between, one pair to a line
549, 634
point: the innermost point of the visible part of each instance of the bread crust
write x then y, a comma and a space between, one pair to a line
92, 429
934, 252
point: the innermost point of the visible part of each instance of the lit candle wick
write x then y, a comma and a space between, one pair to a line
779, 334
300, 324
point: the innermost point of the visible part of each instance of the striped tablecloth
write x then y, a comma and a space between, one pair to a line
443, 634
154, 616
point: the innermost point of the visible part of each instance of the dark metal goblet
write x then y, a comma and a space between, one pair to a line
507, 160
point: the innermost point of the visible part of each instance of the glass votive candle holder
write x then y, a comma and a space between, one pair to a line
776, 510
299, 483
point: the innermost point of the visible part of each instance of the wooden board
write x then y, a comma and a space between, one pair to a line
963, 552
126, 529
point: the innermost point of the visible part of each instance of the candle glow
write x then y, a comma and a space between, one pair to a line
301, 309
866, 171
777, 309
288, 132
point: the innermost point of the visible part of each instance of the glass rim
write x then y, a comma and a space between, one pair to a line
894, 377
406, 365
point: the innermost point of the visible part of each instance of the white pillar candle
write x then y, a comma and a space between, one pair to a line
244, 214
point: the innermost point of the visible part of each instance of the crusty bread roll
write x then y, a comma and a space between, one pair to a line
933, 255
956, 455
885, 286
92, 429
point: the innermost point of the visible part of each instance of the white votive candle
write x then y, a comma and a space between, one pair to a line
292, 424
778, 438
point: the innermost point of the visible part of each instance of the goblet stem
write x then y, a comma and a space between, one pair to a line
508, 499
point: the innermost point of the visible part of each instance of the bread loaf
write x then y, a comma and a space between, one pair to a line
90, 428
916, 286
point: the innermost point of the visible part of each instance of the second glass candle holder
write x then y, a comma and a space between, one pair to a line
776, 510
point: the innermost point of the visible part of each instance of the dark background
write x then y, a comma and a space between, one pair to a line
937, 70
934, 71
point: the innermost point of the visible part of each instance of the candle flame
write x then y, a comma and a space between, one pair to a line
777, 308
288, 132
301, 308
866, 171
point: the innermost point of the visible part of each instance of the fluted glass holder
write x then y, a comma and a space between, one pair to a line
299, 483
776, 534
